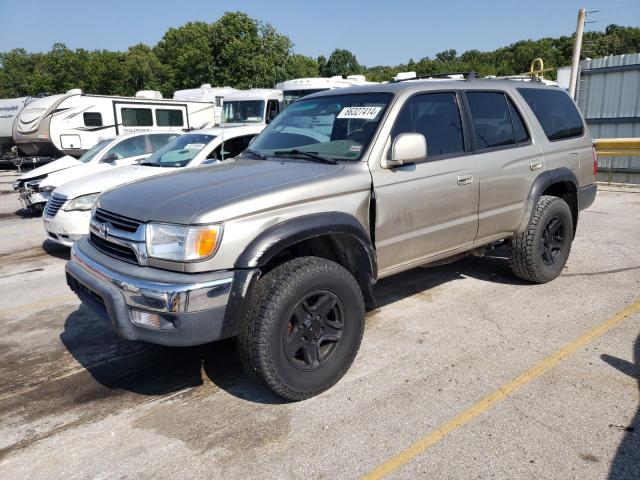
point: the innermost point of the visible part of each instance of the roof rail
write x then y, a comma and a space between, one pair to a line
466, 75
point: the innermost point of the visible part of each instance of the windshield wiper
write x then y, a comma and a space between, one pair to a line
312, 155
253, 153
149, 164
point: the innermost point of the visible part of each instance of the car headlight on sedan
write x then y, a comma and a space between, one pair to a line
83, 203
182, 243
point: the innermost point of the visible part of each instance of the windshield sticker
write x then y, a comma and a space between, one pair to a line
367, 113
355, 148
194, 146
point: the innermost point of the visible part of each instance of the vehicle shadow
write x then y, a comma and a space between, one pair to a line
626, 463
155, 370
56, 250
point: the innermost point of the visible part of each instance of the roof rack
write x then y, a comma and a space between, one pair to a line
466, 75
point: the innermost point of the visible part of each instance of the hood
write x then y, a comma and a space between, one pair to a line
186, 195
62, 163
101, 181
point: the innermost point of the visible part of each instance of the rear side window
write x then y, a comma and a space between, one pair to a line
137, 117
436, 116
130, 147
169, 118
92, 119
555, 111
496, 122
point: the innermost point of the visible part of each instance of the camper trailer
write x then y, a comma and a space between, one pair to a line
206, 93
9, 110
255, 106
72, 123
300, 87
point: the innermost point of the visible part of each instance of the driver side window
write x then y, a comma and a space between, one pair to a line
436, 116
130, 147
232, 148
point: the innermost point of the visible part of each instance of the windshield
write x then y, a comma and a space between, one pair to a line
244, 111
338, 127
291, 96
180, 151
93, 151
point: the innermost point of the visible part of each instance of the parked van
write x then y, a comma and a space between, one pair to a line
300, 87
36, 186
67, 214
72, 123
258, 105
206, 93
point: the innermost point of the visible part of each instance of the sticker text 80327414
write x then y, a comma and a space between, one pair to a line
366, 113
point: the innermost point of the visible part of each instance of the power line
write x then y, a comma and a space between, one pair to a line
632, 5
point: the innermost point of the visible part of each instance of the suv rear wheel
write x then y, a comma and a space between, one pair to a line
540, 253
304, 327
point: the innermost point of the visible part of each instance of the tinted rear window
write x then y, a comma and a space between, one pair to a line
555, 111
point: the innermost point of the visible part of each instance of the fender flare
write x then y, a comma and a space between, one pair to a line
540, 184
282, 235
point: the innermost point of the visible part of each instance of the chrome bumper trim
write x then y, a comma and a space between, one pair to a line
156, 296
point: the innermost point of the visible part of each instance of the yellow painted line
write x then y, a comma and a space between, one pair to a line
502, 393
45, 302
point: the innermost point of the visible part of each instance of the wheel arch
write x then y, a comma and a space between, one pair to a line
558, 182
335, 236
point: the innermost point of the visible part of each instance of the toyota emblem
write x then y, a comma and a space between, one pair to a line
104, 230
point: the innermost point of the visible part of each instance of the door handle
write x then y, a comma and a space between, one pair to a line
535, 164
465, 179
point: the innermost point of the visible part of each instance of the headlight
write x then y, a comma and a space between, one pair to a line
181, 243
83, 203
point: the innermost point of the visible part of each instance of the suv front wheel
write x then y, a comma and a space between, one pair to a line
304, 327
541, 251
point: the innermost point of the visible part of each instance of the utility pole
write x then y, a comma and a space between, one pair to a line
577, 46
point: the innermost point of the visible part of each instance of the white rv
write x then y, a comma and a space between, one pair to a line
254, 106
300, 87
206, 93
72, 123
9, 110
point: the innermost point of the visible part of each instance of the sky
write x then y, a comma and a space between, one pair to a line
378, 32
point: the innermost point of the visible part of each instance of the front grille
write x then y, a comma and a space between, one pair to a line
118, 221
113, 249
53, 205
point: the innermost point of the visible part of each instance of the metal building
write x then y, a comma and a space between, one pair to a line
609, 97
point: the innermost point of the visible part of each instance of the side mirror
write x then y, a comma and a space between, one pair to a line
407, 148
112, 157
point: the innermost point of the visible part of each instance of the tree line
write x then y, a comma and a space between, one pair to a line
242, 52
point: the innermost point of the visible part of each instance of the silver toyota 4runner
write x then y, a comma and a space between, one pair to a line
281, 246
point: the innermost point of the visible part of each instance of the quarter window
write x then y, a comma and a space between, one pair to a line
436, 116
555, 111
137, 117
169, 118
92, 119
492, 118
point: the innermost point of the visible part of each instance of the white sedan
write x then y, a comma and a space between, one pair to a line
68, 211
36, 185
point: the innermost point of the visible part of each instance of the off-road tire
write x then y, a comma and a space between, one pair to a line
261, 344
527, 250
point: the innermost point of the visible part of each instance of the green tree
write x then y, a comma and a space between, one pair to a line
186, 53
247, 53
143, 70
342, 62
300, 66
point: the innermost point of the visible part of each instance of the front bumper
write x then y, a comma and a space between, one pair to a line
192, 309
67, 227
29, 198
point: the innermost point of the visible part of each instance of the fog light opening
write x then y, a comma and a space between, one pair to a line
152, 320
